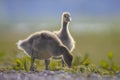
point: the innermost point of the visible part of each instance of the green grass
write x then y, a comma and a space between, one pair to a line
80, 65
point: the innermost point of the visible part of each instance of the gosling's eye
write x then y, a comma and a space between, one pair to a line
65, 16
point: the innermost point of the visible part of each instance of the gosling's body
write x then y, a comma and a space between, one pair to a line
40, 44
44, 45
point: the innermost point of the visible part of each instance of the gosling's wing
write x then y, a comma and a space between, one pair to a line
44, 40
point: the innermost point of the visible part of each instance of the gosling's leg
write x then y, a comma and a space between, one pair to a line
47, 62
63, 63
32, 68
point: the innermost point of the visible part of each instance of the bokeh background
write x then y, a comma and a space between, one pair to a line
95, 25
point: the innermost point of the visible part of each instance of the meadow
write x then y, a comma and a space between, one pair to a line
93, 48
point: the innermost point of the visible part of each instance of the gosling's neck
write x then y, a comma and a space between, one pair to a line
64, 28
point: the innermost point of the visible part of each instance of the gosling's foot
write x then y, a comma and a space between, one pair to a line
47, 62
63, 64
32, 69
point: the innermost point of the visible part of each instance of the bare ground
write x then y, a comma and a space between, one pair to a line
53, 75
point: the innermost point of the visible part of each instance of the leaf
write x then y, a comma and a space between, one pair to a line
82, 68
87, 62
104, 64
77, 60
18, 62
25, 65
110, 55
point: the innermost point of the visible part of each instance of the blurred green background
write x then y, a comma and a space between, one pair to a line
95, 25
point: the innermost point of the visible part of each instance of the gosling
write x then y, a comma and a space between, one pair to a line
64, 34
43, 46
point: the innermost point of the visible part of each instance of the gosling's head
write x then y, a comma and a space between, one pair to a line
67, 57
66, 16
68, 60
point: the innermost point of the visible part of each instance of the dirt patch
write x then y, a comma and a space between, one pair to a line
52, 75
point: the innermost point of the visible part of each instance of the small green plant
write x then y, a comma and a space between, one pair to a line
18, 65
55, 65
82, 68
93, 68
104, 64
86, 60
80, 65
22, 64
78, 60
110, 65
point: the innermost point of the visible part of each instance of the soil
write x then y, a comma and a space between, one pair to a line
53, 75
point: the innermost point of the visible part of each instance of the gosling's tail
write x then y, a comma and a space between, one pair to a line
19, 44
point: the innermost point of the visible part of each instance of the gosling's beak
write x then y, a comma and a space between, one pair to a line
70, 66
69, 19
